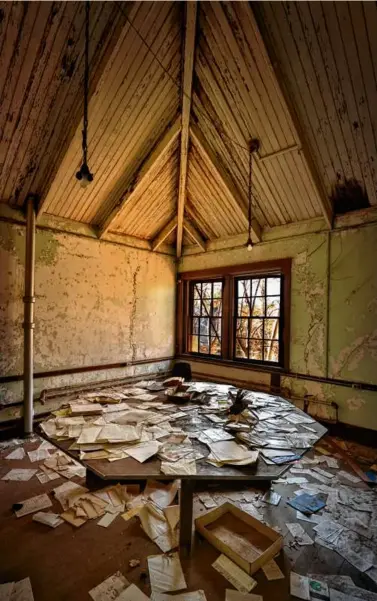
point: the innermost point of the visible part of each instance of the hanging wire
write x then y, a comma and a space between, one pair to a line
250, 188
86, 86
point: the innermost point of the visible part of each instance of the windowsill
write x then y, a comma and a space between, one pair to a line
232, 363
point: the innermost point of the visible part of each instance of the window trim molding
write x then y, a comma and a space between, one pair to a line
228, 274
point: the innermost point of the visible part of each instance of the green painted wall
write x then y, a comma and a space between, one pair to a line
333, 319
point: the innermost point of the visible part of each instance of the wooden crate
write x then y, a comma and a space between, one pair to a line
255, 529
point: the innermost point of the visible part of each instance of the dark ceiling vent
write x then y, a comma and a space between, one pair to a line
348, 195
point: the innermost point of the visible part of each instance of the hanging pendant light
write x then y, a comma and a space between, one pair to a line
254, 147
83, 175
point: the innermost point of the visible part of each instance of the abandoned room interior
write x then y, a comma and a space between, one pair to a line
188, 301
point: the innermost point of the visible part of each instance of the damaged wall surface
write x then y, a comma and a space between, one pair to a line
333, 331
97, 303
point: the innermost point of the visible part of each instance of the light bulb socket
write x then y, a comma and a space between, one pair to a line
249, 244
84, 173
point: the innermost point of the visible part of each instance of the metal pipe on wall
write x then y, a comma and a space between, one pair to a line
28, 324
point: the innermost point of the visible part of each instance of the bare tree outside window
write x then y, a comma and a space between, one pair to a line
257, 327
206, 299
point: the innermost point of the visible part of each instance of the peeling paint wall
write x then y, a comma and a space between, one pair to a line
96, 303
332, 335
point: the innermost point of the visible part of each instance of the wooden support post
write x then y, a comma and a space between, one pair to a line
188, 69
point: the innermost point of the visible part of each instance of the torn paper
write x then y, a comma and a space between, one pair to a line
19, 475
110, 588
165, 573
33, 504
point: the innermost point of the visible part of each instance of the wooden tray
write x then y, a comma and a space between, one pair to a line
237, 534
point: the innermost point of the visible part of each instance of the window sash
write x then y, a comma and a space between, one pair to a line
213, 332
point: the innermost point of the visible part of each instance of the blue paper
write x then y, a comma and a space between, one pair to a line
307, 503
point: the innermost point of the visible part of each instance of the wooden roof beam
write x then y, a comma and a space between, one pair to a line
323, 197
222, 176
164, 233
188, 71
194, 234
144, 173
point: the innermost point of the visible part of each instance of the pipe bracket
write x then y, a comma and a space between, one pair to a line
29, 299
28, 325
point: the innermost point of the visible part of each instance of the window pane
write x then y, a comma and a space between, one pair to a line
242, 328
204, 326
206, 307
197, 291
204, 344
195, 325
196, 308
256, 328
217, 290
255, 350
258, 306
241, 348
258, 287
273, 306
217, 308
194, 344
273, 286
243, 288
215, 346
271, 351
271, 328
215, 327
243, 307
207, 290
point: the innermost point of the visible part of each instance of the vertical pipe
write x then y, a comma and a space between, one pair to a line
28, 324
328, 293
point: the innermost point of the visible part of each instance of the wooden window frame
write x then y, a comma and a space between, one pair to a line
191, 316
229, 276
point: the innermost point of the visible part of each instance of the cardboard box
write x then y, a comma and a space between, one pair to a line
237, 534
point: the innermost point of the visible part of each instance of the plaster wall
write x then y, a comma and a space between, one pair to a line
96, 303
333, 315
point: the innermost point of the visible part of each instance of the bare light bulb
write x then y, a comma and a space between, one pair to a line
249, 244
84, 176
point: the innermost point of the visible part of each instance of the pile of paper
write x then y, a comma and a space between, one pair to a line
230, 452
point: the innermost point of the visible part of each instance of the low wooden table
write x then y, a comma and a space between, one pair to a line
100, 471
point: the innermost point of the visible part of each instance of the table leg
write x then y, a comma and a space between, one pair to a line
186, 525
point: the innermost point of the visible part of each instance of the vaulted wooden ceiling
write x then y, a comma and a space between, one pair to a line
177, 90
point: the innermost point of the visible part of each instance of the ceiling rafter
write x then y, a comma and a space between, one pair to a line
144, 173
274, 64
223, 178
194, 234
188, 72
164, 233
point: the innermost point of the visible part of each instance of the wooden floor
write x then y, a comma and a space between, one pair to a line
64, 564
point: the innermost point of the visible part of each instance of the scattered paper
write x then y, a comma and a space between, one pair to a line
240, 580
317, 587
22, 591
160, 494
271, 497
110, 588
33, 504
172, 514
178, 468
300, 586
323, 473
19, 475
49, 519
39, 454
272, 571
299, 534
18, 453
143, 451
107, 519
193, 596
350, 477
306, 503
6, 591
132, 593
165, 573
207, 500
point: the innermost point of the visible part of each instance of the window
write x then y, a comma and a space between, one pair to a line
238, 314
206, 299
257, 310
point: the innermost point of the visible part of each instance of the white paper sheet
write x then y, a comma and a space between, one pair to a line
132, 593
38, 455
323, 473
144, 450
299, 534
33, 504
49, 519
6, 591
165, 573
19, 475
22, 591
272, 497
207, 500
110, 588
18, 453
89, 434
107, 519
193, 596
178, 468
350, 477
272, 571
339, 596
160, 494
240, 580
172, 514
299, 586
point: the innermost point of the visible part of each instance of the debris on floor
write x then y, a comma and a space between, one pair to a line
17, 591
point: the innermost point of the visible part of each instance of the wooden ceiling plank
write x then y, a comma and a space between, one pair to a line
144, 173
225, 179
194, 234
164, 233
188, 72
323, 197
